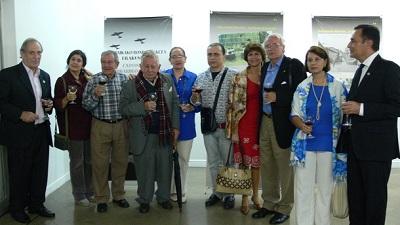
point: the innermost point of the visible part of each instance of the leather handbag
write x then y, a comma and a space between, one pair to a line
234, 180
208, 121
62, 141
339, 202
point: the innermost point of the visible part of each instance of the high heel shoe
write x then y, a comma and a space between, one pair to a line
256, 203
244, 209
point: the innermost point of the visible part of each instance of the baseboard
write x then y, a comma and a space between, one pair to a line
57, 183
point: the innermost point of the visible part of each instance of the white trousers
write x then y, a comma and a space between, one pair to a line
184, 148
314, 184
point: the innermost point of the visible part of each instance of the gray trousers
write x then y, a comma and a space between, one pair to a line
80, 169
217, 147
154, 164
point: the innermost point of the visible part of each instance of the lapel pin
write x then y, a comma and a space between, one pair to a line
43, 81
368, 73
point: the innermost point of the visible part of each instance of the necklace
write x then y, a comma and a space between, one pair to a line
319, 103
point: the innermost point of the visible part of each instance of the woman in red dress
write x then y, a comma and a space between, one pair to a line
244, 116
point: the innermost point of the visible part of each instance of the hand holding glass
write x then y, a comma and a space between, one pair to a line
267, 88
47, 104
103, 82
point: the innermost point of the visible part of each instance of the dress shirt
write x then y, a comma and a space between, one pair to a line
184, 89
107, 106
270, 76
367, 63
37, 90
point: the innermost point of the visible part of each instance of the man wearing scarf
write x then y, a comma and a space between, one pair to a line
150, 102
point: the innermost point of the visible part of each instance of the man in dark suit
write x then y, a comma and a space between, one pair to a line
25, 95
279, 78
373, 105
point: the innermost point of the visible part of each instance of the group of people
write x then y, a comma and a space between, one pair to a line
270, 117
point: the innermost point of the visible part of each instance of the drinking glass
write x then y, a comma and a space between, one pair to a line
153, 97
103, 82
72, 89
347, 121
46, 102
198, 90
268, 88
309, 121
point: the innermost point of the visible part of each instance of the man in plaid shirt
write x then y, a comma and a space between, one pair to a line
108, 137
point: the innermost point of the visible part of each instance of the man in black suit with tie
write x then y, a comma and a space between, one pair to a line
25, 101
373, 105
279, 77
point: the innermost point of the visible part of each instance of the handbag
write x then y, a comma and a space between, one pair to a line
234, 180
339, 202
208, 121
62, 141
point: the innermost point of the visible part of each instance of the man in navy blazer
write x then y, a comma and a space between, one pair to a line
373, 105
25, 130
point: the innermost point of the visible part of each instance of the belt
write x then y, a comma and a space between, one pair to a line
109, 121
267, 115
221, 125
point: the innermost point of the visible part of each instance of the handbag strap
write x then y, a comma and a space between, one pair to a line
219, 88
229, 154
65, 113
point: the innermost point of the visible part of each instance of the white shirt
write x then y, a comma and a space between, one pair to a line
367, 63
37, 90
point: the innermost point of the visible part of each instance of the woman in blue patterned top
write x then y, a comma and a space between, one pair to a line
184, 81
317, 99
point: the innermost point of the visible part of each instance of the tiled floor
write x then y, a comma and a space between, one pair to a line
194, 212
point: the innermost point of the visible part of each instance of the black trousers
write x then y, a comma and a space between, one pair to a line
28, 172
367, 190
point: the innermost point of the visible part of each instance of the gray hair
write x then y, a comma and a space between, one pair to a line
111, 52
149, 54
275, 35
27, 42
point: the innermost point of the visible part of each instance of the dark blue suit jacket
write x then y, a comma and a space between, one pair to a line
16, 95
374, 135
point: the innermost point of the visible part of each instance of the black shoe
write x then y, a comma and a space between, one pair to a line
144, 208
261, 213
42, 211
20, 216
122, 203
102, 207
166, 205
278, 218
212, 200
229, 202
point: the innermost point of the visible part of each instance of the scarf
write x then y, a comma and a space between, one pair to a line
165, 133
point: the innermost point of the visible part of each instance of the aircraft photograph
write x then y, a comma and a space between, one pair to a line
118, 34
115, 46
141, 40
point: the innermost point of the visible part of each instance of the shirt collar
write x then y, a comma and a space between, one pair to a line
277, 65
30, 71
367, 62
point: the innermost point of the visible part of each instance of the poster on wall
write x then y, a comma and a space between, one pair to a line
236, 29
130, 37
334, 33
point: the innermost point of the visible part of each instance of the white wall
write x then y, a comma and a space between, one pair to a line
65, 25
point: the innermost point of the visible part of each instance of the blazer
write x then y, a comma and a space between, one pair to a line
16, 95
284, 87
374, 135
133, 109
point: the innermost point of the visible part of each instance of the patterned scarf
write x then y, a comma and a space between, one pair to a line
165, 134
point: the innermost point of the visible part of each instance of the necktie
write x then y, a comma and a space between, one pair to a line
355, 82
357, 76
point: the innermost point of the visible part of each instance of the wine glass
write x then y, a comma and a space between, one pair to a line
309, 121
153, 97
347, 121
268, 88
46, 104
72, 89
103, 82
198, 90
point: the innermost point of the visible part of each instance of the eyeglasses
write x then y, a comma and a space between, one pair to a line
177, 57
272, 46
